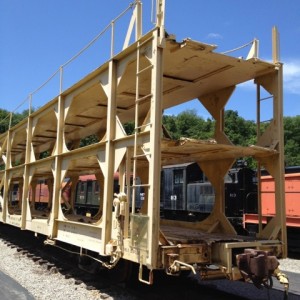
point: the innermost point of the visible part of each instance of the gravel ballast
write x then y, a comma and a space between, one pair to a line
43, 284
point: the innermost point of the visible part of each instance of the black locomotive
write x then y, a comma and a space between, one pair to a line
188, 195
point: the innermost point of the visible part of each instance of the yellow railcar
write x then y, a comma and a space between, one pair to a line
153, 73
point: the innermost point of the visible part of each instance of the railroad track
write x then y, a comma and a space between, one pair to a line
52, 260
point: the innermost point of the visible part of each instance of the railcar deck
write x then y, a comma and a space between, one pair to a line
178, 235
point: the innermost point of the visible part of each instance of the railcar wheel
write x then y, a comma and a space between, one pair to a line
122, 272
88, 265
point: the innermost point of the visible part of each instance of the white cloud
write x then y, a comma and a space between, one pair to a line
214, 36
291, 77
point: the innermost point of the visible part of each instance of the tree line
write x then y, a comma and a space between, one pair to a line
7, 119
240, 131
189, 124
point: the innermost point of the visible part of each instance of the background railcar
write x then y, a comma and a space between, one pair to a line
38, 196
188, 194
182, 195
240, 195
292, 200
89, 195
87, 198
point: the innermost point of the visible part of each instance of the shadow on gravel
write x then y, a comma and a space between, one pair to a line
249, 291
10, 289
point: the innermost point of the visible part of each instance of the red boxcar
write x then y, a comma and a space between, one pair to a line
292, 199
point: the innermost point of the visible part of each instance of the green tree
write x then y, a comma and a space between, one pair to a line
292, 155
4, 120
129, 127
188, 124
88, 140
6, 117
170, 124
292, 140
238, 130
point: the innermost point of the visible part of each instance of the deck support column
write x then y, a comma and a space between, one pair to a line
57, 168
155, 149
108, 171
26, 176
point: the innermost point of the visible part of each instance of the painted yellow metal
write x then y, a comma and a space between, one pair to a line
152, 74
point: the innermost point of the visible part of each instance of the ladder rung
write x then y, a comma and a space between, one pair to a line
145, 69
266, 98
266, 121
145, 41
140, 185
143, 98
142, 126
141, 155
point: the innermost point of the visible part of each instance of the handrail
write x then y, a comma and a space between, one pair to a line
254, 48
60, 70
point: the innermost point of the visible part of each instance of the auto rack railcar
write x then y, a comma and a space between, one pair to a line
153, 73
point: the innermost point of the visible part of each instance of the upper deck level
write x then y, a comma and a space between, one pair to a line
190, 70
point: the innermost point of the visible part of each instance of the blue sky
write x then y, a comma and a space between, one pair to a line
37, 37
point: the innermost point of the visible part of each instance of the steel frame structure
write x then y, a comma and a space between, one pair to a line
152, 74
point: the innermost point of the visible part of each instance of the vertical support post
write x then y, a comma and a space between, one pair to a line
8, 150
276, 227
61, 78
258, 110
280, 178
56, 169
26, 173
6, 177
108, 171
278, 118
155, 148
112, 41
30, 104
5, 196
160, 21
10, 120
160, 14
259, 204
275, 45
138, 25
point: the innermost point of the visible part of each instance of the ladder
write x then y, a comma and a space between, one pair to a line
138, 128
